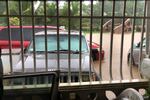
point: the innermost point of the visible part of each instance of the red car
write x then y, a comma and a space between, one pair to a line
16, 38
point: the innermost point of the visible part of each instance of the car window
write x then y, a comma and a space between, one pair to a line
63, 44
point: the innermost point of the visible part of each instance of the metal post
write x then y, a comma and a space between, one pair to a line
111, 42
46, 44
148, 28
142, 36
101, 42
80, 46
91, 31
132, 38
122, 40
69, 45
1, 76
21, 35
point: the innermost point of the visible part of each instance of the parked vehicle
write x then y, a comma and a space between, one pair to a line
63, 56
136, 53
27, 33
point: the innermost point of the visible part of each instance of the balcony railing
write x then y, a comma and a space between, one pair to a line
111, 30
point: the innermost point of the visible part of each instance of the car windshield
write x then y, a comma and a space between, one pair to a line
63, 44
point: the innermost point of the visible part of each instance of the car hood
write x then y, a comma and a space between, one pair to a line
53, 63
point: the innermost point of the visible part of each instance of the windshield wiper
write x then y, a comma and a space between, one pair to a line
55, 51
71, 51
51, 51
37, 52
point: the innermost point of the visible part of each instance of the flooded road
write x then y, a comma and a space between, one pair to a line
116, 56
106, 62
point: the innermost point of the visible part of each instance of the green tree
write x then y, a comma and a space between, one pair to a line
3, 7
3, 12
14, 21
51, 10
74, 11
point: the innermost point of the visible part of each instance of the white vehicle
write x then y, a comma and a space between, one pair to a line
136, 53
63, 55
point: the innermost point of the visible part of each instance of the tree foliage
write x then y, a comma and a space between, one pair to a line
51, 10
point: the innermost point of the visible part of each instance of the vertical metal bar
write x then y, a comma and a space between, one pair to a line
33, 37
132, 41
45, 25
101, 40
142, 35
80, 46
21, 37
58, 61
111, 41
46, 42
91, 28
122, 39
9, 37
33, 41
69, 61
1, 76
148, 29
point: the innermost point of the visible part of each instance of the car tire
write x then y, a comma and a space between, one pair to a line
129, 60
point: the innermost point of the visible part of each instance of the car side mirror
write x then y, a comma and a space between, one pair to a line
138, 44
95, 54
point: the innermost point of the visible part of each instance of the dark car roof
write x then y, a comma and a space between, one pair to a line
27, 32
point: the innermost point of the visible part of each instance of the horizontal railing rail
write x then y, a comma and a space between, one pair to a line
82, 90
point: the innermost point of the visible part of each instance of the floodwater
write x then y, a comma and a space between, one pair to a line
106, 62
116, 51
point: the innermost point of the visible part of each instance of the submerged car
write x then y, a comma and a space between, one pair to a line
66, 62
136, 53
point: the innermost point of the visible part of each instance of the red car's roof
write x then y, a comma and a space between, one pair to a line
15, 39
53, 27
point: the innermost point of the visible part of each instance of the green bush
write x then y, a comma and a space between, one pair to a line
14, 21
